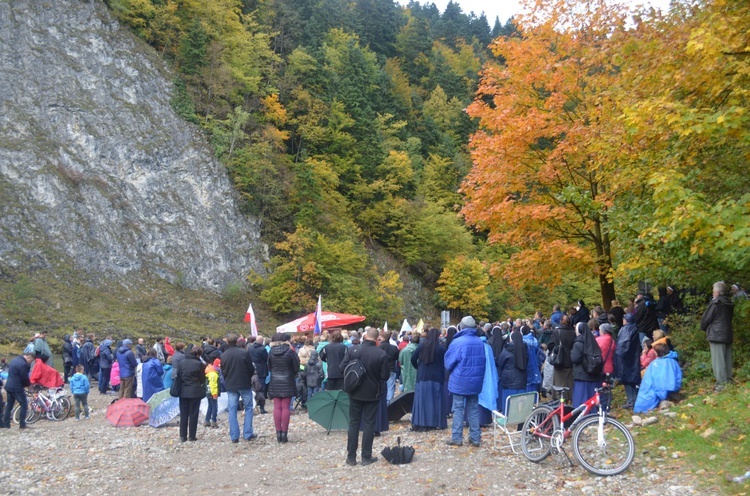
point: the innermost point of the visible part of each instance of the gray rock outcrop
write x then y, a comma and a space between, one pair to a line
95, 164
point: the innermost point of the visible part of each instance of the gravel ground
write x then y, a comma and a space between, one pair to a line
92, 457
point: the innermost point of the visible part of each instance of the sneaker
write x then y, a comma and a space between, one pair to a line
78, 419
214, 425
369, 461
476, 444
454, 443
206, 424
87, 417
719, 388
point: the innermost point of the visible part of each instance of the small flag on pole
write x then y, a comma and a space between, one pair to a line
250, 317
318, 317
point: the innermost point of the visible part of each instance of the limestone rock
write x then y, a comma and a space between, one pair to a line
95, 164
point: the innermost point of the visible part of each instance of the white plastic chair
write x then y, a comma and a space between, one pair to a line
518, 407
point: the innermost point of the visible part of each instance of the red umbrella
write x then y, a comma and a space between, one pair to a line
327, 319
127, 412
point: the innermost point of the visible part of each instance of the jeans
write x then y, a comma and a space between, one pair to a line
82, 403
391, 386
213, 408
312, 391
104, 376
471, 406
24, 407
232, 405
363, 412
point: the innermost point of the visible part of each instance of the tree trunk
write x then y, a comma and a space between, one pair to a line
607, 291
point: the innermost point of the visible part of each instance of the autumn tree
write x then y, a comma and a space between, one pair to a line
685, 105
541, 172
463, 286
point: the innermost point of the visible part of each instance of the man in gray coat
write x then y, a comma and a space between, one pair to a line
717, 323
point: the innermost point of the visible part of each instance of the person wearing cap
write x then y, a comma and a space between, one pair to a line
465, 361
127, 362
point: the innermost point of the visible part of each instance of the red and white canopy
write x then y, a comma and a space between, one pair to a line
327, 319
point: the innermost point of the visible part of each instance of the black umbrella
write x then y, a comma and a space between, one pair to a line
400, 406
398, 455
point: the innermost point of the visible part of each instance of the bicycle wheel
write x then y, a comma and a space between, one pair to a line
35, 412
536, 434
610, 454
16, 414
32, 414
60, 408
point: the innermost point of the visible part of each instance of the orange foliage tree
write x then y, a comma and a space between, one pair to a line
542, 180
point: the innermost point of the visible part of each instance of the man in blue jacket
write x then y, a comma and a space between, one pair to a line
18, 380
465, 361
126, 360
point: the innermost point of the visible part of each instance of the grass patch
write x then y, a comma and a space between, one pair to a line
60, 300
710, 435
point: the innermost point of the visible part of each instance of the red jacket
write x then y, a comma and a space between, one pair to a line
607, 345
45, 375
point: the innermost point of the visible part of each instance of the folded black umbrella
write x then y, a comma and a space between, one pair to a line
400, 406
398, 455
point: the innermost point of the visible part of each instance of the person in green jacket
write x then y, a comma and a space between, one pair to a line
41, 348
408, 372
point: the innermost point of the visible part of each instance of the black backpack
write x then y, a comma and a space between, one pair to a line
354, 373
593, 363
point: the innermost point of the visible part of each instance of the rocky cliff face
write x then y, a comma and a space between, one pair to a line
95, 164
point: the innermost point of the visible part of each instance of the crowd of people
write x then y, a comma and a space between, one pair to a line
463, 371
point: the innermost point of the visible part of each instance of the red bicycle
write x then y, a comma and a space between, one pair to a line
601, 444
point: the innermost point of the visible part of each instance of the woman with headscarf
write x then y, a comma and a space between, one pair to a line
584, 383
511, 366
429, 410
627, 359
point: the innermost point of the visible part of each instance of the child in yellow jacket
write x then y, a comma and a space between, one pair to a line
212, 393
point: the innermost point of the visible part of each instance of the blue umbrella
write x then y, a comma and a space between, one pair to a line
164, 412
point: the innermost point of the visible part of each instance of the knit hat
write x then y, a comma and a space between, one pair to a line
468, 321
217, 362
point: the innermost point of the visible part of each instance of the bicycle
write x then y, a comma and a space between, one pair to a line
601, 444
54, 405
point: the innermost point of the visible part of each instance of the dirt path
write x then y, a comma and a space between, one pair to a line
91, 457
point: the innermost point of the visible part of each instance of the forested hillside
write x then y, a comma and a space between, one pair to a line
606, 148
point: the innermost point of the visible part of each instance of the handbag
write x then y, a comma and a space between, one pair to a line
176, 387
556, 357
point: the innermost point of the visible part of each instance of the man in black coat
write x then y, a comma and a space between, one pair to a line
18, 380
238, 370
333, 354
363, 403
717, 323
